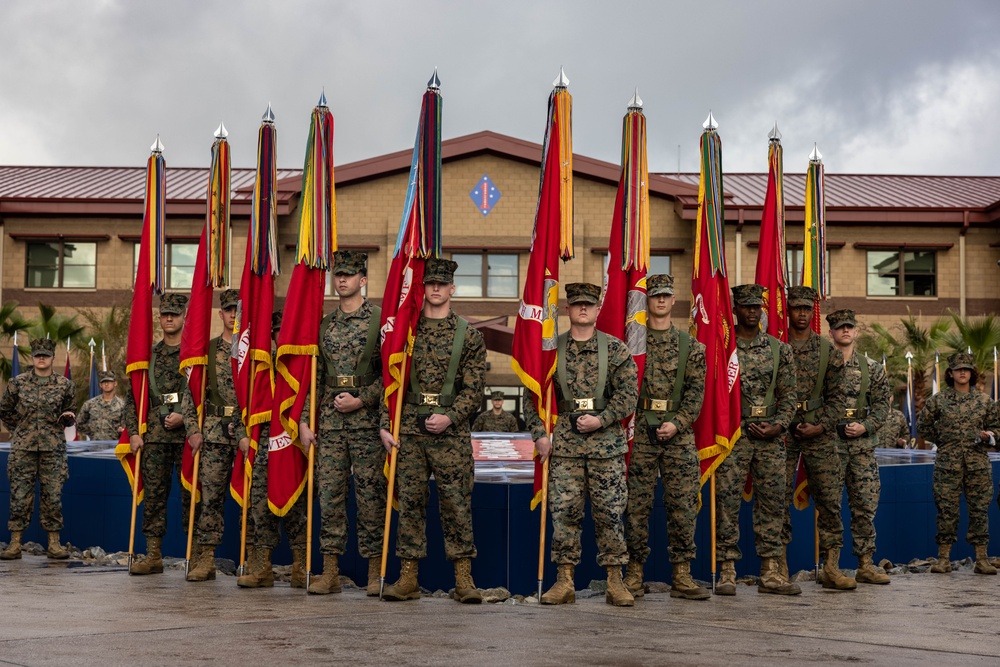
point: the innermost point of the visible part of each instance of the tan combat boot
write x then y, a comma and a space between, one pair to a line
868, 574
683, 586
329, 581
727, 579
298, 579
374, 576
563, 590
56, 551
152, 562
633, 579
204, 564
13, 550
260, 572
983, 565
784, 563
772, 581
406, 587
832, 576
465, 589
943, 564
617, 594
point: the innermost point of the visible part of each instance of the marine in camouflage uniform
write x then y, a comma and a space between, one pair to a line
446, 454
350, 392
819, 403
168, 399
36, 406
496, 420
664, 444
219, 447
263, 533
768, 406
893, 430
588, 462
855, 446
957, 419
102, 418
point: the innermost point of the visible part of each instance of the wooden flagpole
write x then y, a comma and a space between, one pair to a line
711, 489
545, 493
391, 486
247, 478
194, 475
310, 479
135, 480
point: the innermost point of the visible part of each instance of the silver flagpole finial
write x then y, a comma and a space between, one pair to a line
221, 132
909, 356
268, 116
92, 343
157, 146
322, 98
635, 104
434, 83
815, 156
561, 82
774, 134
710, 123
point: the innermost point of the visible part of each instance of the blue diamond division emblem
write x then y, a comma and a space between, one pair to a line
485, 195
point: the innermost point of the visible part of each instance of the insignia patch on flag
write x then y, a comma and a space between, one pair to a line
485, 195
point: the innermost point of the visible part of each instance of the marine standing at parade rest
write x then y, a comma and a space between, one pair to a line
895, 432
262, 531
350, 392
597, 386
767, 387
170, 408
820, 400
447, 375
961, 420
867, 390
36, 407
102, 418
670, 396
495, 420
217, 442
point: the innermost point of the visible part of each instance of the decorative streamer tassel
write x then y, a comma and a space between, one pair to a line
217, 216
710, 194
156, 184
318, 221
429, 241
814, 259
263, 220
562, 107
635, 213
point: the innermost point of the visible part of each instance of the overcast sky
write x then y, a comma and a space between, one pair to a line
909, 86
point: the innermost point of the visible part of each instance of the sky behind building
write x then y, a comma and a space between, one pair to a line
894, 86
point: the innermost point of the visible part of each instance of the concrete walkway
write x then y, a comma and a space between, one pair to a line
68, 614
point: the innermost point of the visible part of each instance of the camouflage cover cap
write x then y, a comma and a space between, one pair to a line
229, 298
801, 296
748, 295
582, 293
439, 270
349, 262
661, 283
43, 347
840, 318
107, 376
275, 321
961, 360
173, 304
496, 396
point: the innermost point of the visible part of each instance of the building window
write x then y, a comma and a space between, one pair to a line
484, 274
657, 264
902, 273
794, 258
179, 264
62, 264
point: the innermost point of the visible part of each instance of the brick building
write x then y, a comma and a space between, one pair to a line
927, 243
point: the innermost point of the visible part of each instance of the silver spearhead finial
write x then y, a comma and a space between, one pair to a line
710, 123
774, 134
268, 116
157, 146
561, 82
434, 83
909, 355
815, 156
221, 132
322, 98
635, 104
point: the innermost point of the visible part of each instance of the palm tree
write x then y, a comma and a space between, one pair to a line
11, 321
912, 337
981, 335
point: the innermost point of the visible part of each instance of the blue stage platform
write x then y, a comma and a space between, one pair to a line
97, 497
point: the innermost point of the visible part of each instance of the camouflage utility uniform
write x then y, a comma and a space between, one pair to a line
764, 460
953, 420
487, 422
819, 453
100, 419
676, 460
894, 429
31, 407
